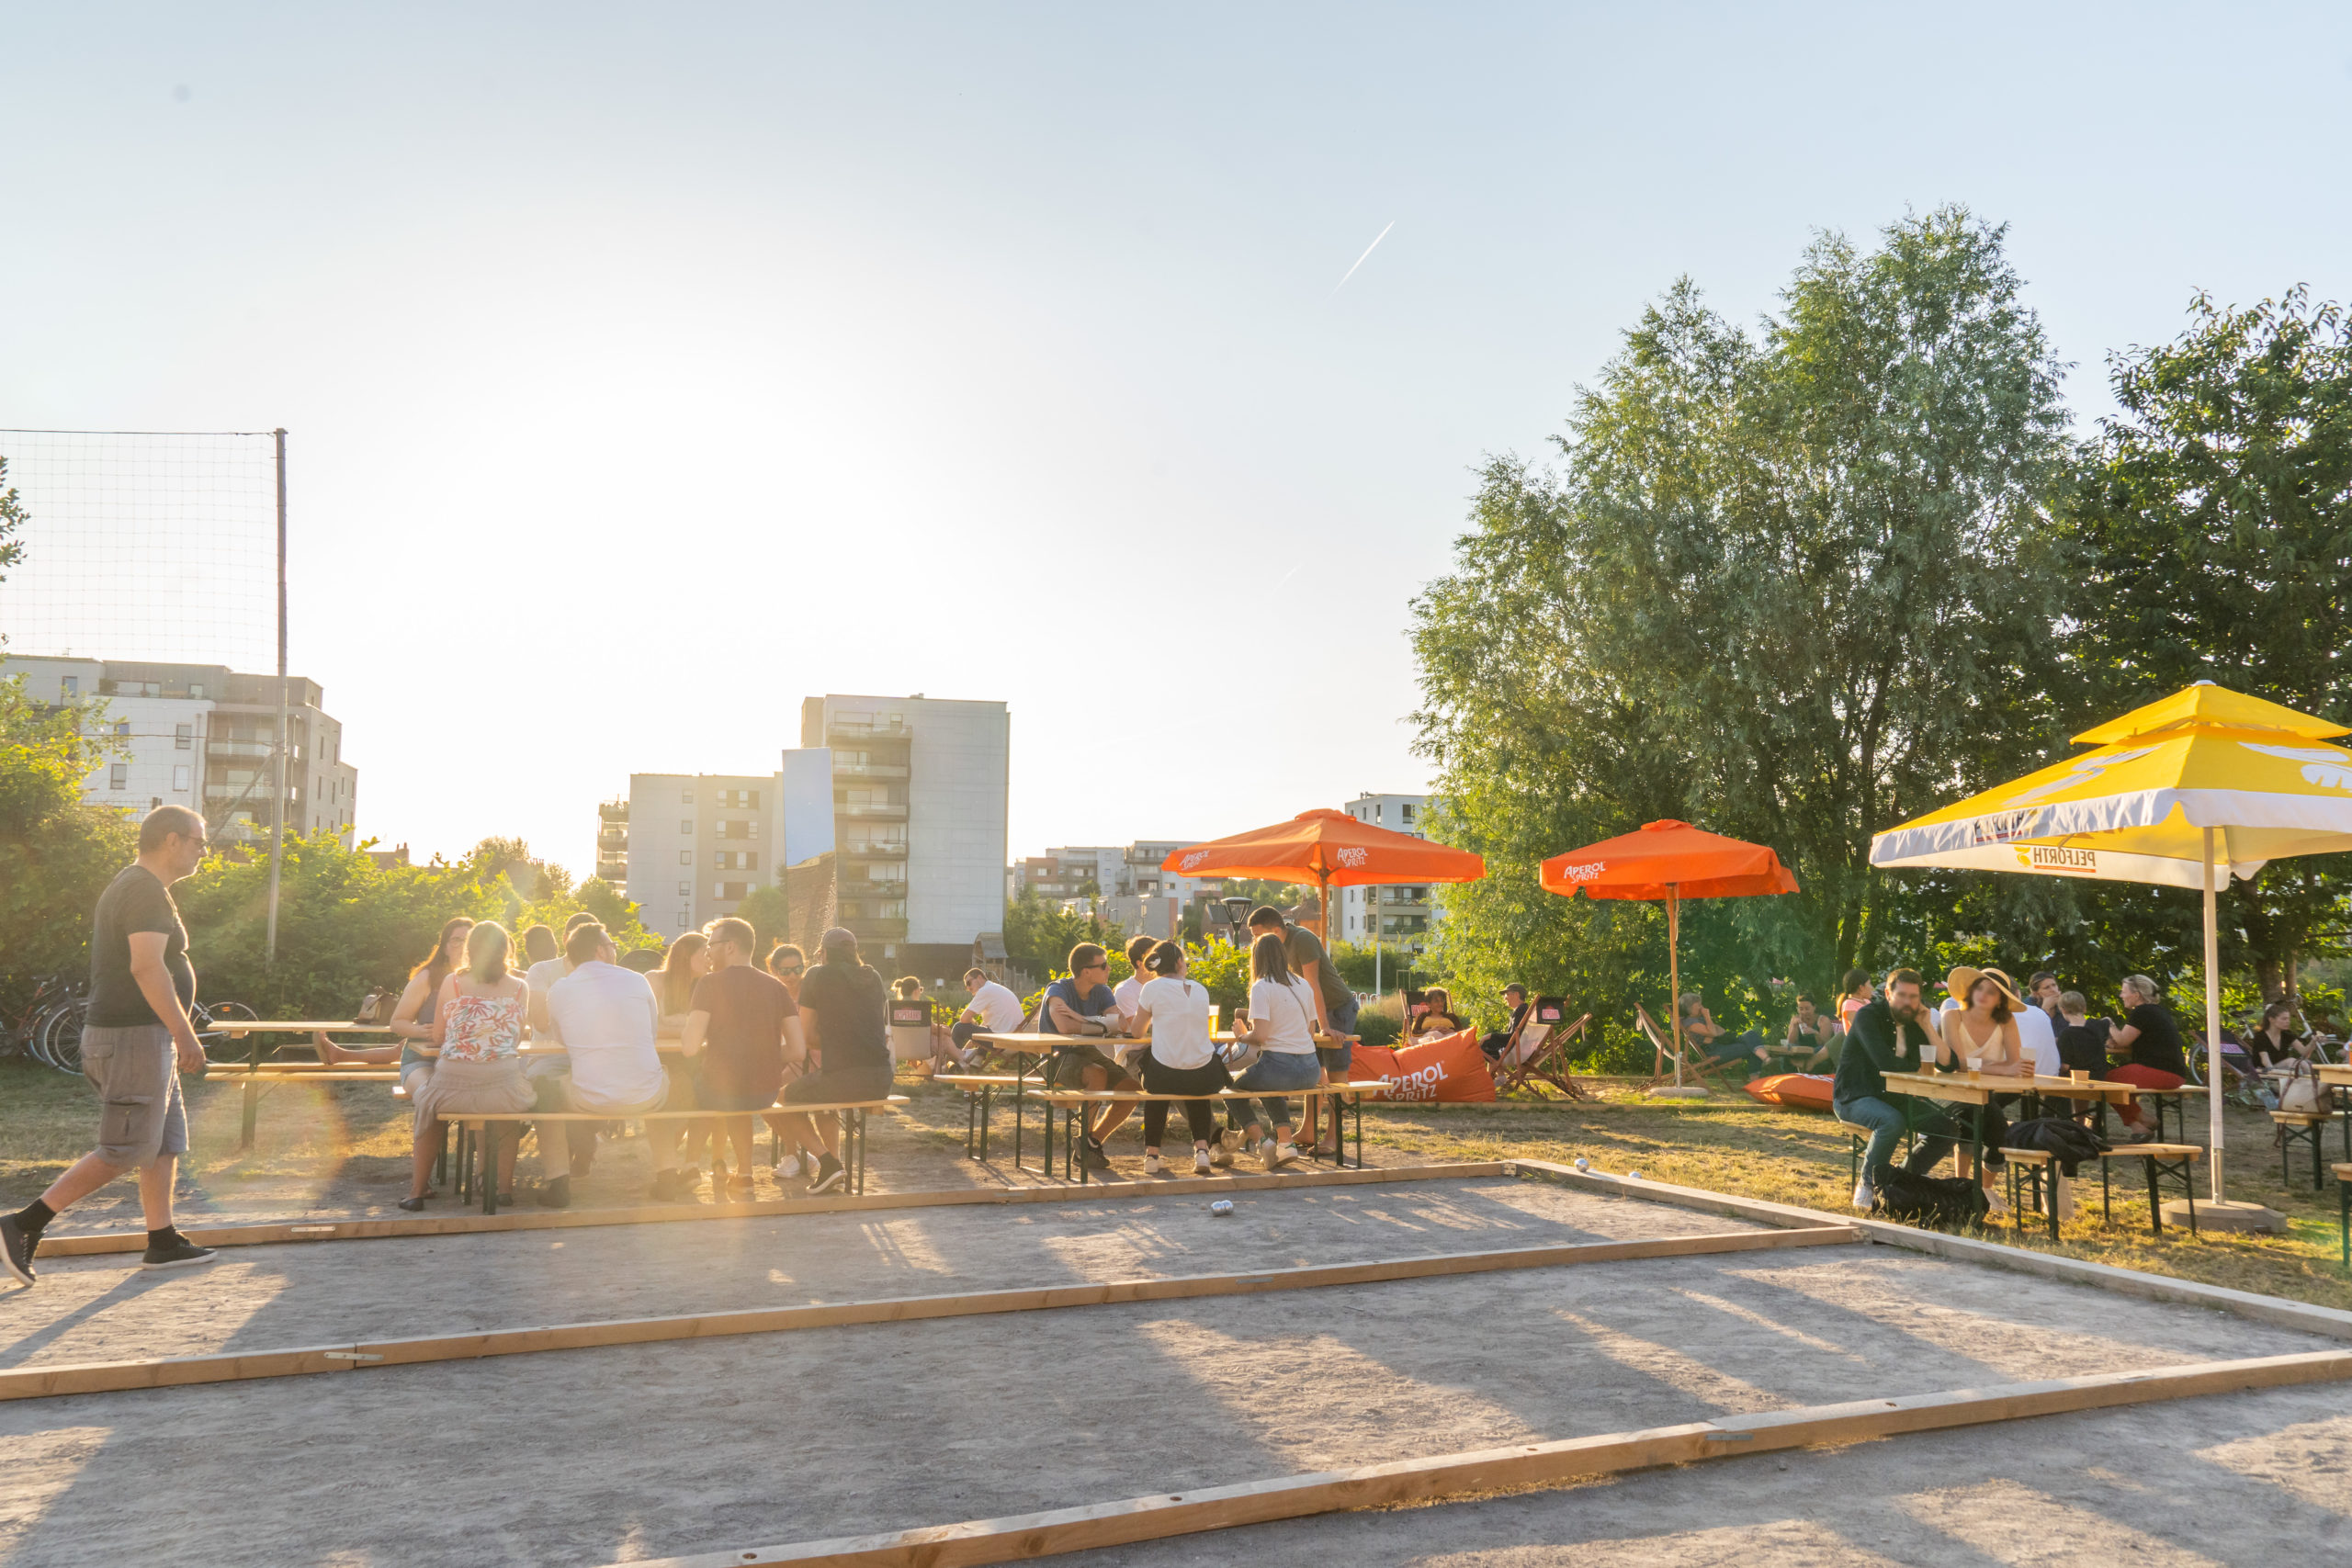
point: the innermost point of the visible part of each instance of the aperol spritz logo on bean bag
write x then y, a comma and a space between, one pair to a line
1450, 1068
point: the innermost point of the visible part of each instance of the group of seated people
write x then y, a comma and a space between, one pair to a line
579, 1033
1983, 1025
1152, 1033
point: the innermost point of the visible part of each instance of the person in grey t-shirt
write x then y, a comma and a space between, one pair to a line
136, 1040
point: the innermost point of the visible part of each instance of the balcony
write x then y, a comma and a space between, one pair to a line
887, 851
614, 870
869, 769
238, 747
889, 929
614, 811
859, 888
855, 727
870, 811
612, 839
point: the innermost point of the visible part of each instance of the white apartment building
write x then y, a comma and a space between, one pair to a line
909, 793
1404, 913
202, 735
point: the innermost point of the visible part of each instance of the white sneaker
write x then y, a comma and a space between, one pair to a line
1279, 1155
788, 1166
1201, 1162
1865, 1197
1222, 1155
1151, 1162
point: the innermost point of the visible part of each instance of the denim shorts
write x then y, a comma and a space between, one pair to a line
137, 1075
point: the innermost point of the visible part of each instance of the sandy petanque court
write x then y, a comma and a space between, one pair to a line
721, 1445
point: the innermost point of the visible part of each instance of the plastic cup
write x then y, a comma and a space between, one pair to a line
1975, 1065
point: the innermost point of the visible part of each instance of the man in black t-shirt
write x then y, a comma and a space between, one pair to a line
846, 1007
135, 1039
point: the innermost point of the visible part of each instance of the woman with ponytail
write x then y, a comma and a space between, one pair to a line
478, 1021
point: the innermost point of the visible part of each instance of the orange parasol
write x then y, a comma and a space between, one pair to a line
1330, 848
1672, 861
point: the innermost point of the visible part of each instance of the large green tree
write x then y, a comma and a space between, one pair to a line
2216, 538
1792, 586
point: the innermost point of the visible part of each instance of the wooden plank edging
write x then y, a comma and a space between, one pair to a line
2274, 1309
1133, 1520
460, 1223
102, 1377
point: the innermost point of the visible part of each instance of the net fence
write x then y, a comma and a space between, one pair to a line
143, 545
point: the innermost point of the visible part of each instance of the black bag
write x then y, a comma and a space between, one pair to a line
1935, 1200
2068, 1142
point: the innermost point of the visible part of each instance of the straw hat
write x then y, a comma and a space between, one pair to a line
1963, 979
2008, 987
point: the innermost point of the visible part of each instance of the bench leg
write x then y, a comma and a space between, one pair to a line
2188, 1191
2344, 1220
2106, 1194
861, 1152
2155, 1202
2319, 1169
490, 1167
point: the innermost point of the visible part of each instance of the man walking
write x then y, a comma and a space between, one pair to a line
1890, 1036
135, 1039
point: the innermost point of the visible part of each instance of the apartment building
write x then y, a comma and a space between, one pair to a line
1403, 914
203, 735
689, 847
908, 795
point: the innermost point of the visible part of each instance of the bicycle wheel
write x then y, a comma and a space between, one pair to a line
61, 1037
218, 1046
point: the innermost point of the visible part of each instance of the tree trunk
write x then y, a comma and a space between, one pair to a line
2272, 973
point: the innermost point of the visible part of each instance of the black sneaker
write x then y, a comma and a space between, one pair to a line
555, 1193
16, 1249
1091, 1155
830, 1174
178, 1253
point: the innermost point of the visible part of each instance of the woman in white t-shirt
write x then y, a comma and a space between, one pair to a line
1282, 1022
1174, 1012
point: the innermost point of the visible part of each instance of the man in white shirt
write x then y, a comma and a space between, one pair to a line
604, 1018
993, 1009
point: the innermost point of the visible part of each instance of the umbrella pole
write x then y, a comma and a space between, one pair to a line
2212, 1021
1674, 974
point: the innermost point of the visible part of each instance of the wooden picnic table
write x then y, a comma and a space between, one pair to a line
237, 1028
1075, 1101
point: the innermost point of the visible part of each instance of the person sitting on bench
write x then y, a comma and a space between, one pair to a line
2157, 1059
604, 1017
1174, 1011
846, 1011
1084, 1004
1497, 1041
478, 1022
993, 1009
1281, 1022
1890, 1036
745, 1020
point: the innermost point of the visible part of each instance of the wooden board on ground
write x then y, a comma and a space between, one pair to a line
1163, 1515
97, 1377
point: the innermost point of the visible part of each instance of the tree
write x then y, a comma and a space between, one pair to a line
2217, 536
56, 852
1038, 935
1792, 588
13, 518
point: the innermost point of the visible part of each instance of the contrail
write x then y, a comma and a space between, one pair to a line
1360, 260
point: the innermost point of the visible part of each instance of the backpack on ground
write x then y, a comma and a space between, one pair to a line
1937, 1200
2064, 1140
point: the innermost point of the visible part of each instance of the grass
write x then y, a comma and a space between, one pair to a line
1789, 1157
329, 1145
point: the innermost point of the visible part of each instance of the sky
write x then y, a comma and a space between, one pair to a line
647, 369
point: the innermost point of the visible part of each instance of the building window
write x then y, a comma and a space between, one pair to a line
1407, 811
687, 797
118, 776
686, 826
196, 690
180, 779
183, 737
686, 857
731, 892
685, 890
684, 919
68, 685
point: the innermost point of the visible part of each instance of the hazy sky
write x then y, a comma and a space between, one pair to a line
651, 368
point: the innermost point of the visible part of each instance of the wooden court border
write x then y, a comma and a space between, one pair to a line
1130, 1520
460, 1223
174, 1372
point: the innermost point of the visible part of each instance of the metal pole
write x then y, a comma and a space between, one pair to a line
1375, 893
2213, 1019
1674, 973
277, 815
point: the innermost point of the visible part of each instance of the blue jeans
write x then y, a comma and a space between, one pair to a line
1342, 1019
1279, 1069
1887, 1119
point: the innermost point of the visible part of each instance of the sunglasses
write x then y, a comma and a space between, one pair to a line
789, 969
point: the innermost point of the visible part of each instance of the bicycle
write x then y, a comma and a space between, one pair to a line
17, 1034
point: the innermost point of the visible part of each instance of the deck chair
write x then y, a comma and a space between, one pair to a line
1696, 1066
1538, 1050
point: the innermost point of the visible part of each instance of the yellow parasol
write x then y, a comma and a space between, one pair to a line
2206, 785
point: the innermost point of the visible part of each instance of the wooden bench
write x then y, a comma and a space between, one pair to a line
2161, 1160
2344, 1212
2301, 1127
978, 1088
476, 1130
1075, 1102
2035, 1173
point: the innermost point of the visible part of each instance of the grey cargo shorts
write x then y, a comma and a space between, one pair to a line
141, 1115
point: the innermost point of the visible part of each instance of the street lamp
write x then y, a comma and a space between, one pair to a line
1236, 910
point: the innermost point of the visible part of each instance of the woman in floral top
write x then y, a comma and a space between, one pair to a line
478, 1022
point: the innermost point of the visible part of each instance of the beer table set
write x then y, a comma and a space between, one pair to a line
251, 1070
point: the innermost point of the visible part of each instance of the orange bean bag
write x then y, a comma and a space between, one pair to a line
1450, 1068
1798, 1092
